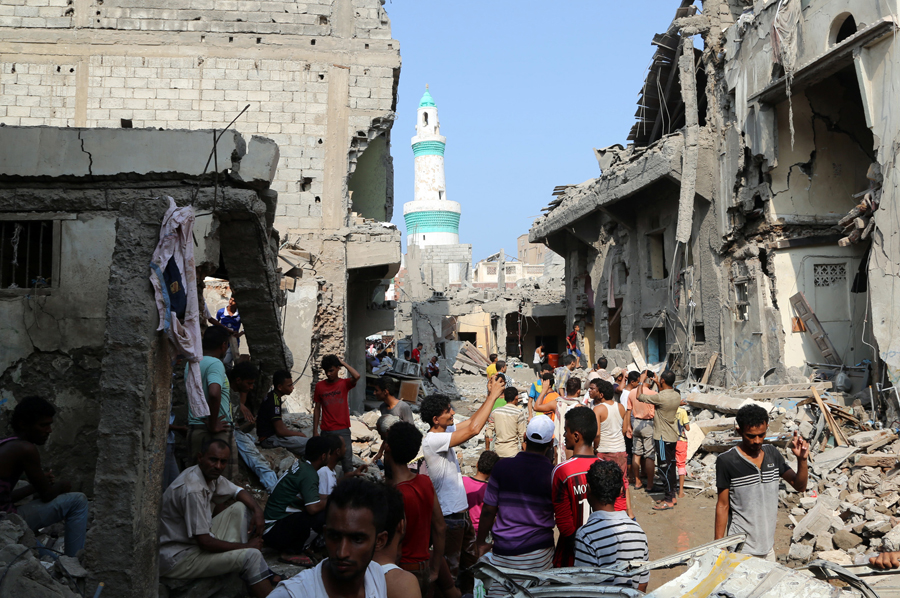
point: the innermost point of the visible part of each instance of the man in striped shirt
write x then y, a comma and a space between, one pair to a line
748, 477
609, 537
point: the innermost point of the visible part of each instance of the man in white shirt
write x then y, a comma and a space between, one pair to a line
355, 527
193, 544
443, 467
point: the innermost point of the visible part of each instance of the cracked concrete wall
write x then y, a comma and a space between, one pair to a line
93, 348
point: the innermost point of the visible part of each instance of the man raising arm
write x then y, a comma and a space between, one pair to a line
443, 467
747, 480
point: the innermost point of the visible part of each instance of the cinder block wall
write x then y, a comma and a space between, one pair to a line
195, 64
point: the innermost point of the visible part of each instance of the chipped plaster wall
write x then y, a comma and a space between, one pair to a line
95, 351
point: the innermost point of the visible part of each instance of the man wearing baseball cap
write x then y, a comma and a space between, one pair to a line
518, 509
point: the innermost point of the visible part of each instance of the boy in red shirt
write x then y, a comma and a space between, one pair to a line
569, 489
332, 406
420, 505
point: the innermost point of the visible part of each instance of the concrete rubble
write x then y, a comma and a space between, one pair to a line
852, 506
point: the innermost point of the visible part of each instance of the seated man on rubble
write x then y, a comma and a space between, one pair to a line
198, 538
747, 479
296, 507
31, 423
270, 427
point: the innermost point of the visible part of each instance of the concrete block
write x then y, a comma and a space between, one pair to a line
845, 540
33, 152
800, 552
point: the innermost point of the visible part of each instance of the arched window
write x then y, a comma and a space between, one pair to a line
425, 118
843, 27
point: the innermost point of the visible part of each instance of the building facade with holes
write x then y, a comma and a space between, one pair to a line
319, 78
748, 225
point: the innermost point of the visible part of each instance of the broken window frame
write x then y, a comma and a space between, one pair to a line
55, 219
742, 304
656, 239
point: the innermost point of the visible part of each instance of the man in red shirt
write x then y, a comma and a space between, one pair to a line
332, 407
420, 504
417, 353
569, 490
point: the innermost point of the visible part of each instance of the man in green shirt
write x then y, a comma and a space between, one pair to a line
295, 506
665, 432
219, 425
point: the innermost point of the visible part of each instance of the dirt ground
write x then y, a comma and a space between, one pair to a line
690, 524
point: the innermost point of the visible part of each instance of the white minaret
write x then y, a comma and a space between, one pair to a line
430, 218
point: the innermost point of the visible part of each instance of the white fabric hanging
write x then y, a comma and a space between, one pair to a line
176, 242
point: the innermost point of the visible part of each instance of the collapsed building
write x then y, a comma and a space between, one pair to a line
80, 218
748, 226
318, 78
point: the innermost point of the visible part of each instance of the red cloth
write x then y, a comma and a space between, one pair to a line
418, 505
475, 496
569, 495
416, 355
335, 406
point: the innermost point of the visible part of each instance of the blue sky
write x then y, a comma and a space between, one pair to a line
524, 90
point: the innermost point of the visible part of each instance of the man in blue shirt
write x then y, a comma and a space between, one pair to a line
229, 318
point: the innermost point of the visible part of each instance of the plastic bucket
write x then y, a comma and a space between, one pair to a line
553, 360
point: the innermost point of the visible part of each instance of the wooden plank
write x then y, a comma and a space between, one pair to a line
876, 460
638, 356
815, 329
783, 391
709, 367
839, 437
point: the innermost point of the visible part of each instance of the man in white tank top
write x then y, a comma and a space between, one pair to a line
610, 441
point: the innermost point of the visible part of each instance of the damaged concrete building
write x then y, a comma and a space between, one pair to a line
80, 216
749, 223
319, 78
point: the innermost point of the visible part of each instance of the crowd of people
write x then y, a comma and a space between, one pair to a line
553, 486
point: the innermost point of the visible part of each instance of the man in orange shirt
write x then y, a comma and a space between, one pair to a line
638, 426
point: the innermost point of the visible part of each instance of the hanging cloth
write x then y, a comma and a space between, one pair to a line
174, 280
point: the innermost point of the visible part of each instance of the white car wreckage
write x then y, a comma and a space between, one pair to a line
713, 572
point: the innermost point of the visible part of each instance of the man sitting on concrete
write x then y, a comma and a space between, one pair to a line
288, 523
270, 428
242, 378
31, 422
355, 528
198, 540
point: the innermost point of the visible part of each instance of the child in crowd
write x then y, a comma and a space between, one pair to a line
681, 447
477, 484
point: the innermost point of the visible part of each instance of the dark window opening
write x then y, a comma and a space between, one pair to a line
699, 333
471, 337
742, 302
26, 254
126, 123
848, 28
425, 119
614, 324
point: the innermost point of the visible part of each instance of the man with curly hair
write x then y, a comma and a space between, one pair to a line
443, 467
610, 537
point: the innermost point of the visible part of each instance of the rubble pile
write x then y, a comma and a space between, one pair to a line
25, 574
851, 508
